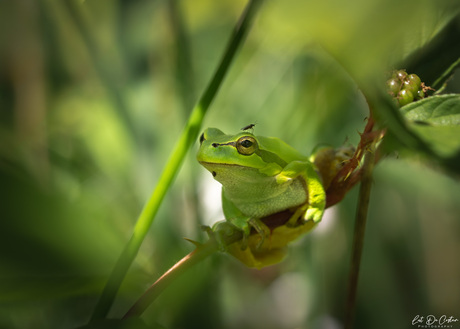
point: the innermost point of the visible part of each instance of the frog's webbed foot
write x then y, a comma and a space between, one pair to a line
244, 241
224, 230
246, 230
294, 219
261, 229
224, 233
216, 233
208, 230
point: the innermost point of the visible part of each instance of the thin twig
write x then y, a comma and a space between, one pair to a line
200, 253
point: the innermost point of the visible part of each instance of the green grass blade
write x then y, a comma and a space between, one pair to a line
188, 137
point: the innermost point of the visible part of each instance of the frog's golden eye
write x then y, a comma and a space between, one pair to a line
246, 145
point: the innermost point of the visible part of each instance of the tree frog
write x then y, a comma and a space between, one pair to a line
263, 179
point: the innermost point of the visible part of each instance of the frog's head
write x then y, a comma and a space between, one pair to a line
218, 149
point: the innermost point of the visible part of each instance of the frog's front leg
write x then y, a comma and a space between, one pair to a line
244, 223
261, 229
316, 196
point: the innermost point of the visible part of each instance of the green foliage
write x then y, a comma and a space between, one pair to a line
437, 121
443, 110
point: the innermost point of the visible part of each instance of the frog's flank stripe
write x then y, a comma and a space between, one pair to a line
270, 157
223, 144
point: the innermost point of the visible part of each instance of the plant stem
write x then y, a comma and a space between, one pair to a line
200, 253
358, 238
445, 75
188, 137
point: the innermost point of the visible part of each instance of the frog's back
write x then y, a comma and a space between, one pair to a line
282, 149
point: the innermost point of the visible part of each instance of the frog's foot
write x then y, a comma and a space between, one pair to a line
305, 213
208, 230
261, 229
294, 219
216, 233
223, 233
244, 241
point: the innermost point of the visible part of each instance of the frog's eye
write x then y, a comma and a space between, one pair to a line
246, 145
202, 139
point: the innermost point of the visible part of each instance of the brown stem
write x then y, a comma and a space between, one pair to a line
351, 173
358, 238
201, 252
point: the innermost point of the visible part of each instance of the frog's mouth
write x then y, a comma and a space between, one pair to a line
213, 167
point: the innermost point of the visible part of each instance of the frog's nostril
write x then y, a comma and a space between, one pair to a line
214, 174
214, 144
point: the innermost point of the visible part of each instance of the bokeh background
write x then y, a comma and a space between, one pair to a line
93, 95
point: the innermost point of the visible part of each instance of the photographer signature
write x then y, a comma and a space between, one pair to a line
431, 320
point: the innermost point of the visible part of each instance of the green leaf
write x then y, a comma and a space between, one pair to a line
443, 110
444, 140
436, 120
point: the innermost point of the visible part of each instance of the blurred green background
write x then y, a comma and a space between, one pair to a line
93, 95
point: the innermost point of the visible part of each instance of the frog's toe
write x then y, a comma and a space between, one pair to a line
244, 242
261, 229
223, 232
261, 242
208, 230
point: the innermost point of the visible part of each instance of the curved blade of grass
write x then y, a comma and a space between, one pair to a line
188, 137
